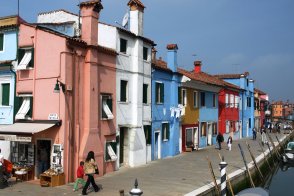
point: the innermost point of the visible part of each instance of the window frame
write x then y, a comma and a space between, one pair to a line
21, 98
109, 102
165, 130
5, 98
123, 88
123, 45
148, 134
202, 99
145, 93
145, 53
195, 99
159, 93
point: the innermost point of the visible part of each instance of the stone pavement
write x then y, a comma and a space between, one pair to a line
173, 176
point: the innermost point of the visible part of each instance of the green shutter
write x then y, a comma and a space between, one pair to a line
17, 104
1, 41
179, 95
123, 91
167, 131
21, 53
156, 92
5, 94
162, 93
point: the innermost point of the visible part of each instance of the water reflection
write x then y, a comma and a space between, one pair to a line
282, 180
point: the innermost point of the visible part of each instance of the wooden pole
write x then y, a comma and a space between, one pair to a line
213, 176
273, 144
246, 166
269, 148
269, 166
254, 161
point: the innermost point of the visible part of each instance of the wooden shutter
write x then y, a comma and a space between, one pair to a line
156, 92
5, 93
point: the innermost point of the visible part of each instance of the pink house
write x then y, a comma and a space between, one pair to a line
79, 118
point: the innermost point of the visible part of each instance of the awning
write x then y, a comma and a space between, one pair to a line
25, 128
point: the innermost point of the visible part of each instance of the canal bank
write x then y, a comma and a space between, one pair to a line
265, 164
174, 176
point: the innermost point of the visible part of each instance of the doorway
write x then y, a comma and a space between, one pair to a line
209, 134
157, 154
123, 146
43, 156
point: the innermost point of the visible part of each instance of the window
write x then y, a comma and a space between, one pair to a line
231, 101
25, 110
249, 122
237, 126
184, 97
25, 58
4, 94
214, 100
179, 95
248, 101
227, 100
203, 128
236, 101
147, 131
145, 93
165, 131
189, 137
110, 151
1, 41
123, 45
106, 107
195, 99
159, 92
202, 95
145, 53
123, 91
214, 128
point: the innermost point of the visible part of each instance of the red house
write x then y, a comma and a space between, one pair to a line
229, 122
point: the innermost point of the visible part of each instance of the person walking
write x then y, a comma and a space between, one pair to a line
80, 176
219, 140
89, 168
229, 142
254, 133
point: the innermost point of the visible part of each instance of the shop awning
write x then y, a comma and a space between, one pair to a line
25, 128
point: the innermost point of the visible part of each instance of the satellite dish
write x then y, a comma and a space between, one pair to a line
125, 19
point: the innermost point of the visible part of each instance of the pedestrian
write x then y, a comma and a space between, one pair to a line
219, 140
229, 142
80, 176
89, 167
254, 133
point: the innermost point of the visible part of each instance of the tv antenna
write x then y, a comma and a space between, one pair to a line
125, 20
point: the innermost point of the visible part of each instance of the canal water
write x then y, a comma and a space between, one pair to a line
281, 182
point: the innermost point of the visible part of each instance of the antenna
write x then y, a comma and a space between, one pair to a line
125, 20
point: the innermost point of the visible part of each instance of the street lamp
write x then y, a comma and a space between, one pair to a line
58, 85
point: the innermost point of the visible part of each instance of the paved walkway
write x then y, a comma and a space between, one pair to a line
171, 176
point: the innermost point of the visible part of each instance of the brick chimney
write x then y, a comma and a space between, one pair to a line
153, 54
172, 59
90, 15
136, 16
197, 66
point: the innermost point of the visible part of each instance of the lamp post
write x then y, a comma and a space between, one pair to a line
59, 85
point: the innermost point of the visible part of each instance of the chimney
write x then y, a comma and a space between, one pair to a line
197, 66
136, 16
172, 62
153, 54
90, 16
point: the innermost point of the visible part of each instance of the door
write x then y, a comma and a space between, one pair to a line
196, 138
209, 134
189, 137
121, 145
157, 153
43, 156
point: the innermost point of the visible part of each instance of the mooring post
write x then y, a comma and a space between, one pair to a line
223, 166
246, 166
136, 190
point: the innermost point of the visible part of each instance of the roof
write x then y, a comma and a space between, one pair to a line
202, 77
231, 76
136, 2
60, 10
160, 64
259, 91
96, 3
130, 33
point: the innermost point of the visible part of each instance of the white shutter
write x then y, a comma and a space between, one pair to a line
231, 101
111, 153
227, 100
24, 108
107, 110
25, 60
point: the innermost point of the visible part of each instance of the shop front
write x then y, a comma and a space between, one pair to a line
29, 156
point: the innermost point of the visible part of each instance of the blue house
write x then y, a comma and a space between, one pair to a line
165, 112
206, 88
8, 55
246, 107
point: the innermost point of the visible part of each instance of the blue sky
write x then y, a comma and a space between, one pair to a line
228, 36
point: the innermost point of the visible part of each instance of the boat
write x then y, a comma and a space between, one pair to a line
288, 156
257, 191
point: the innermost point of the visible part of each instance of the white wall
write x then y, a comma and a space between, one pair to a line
5, 149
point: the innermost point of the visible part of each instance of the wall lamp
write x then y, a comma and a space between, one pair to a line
59, 85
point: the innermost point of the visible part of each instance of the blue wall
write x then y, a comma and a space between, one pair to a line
10, 45
161, 113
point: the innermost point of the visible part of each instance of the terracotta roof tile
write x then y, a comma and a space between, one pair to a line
137, 2
172, 46
259, 91
202, 77
160, 64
